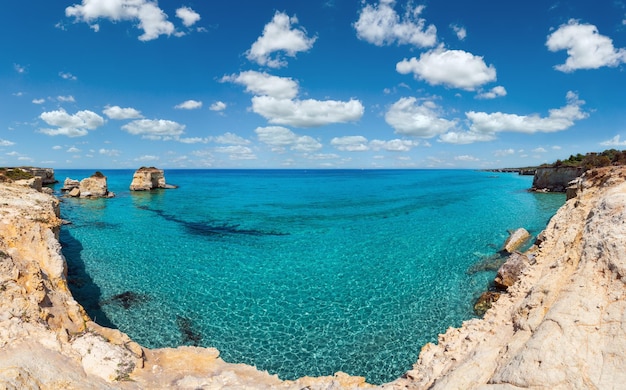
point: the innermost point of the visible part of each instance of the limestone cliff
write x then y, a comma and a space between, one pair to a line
561, 325
554, 178
146, 179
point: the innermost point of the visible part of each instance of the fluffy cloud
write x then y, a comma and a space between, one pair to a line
230, 138
615, 141
67, 76
493, 93
586, 48
504, 152
484, 126
117, 112
466, 157
306, 113
281, 138
189, 105
218, 106
353, 143
558, 119
279, 36
19, 68
381, 25
452, 68
408, 117
188, 16
76, 125
4, 142
155, 129
66, 99
265, 84
394, 145
463, 138
460, 32
110, 152
149, 17
39, 101
237, 152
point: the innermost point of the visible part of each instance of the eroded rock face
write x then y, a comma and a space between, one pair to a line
94, 186
516, 239
146, 179
554, 179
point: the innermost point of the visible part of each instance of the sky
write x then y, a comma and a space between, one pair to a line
105, 84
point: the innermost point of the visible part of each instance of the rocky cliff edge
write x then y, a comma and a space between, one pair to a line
562, 325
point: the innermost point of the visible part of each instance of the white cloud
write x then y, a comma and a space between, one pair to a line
189, 105
39, 101
57, 147
76, 125
281, 138
586, 48
73, 149
110, 152
19, 68
307, 113
408, 117
452, 68
218, 106
504, 152
484, 126
265, 84
556, 147
493, 93
615, 141
155, 129
237, 152
278, 36
539, 150
188, 16
230, 138
67, 76
558, 119
381, 25
4, 142
147, 158
66, 99
466, 157
193, 140
394, 145
463, 138
460, 32
117, 112
352, 143
151, 19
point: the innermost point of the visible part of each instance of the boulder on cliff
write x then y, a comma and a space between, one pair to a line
516, 239
511, 270
149, 178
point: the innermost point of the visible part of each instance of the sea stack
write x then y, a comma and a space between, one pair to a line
148, 178
94, 186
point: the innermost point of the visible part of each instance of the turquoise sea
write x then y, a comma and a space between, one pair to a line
298, 272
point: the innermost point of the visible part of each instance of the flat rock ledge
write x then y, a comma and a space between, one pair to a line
560, 325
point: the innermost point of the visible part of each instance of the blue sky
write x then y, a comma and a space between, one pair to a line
310, 84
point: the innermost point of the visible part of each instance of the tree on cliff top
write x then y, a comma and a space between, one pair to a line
593, 159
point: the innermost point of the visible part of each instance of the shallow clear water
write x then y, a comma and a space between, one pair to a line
295, 272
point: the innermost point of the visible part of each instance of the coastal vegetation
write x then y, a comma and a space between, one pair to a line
11, 174
592, 160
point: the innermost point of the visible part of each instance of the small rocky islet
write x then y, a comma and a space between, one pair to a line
558, 322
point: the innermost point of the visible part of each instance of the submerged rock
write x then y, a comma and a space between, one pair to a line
190, 335
485, 301
127, 299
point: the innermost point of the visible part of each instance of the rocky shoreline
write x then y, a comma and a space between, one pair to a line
560, 326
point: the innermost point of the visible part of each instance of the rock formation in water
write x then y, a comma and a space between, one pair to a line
94, 186
554, 179
560, 325
146, 179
